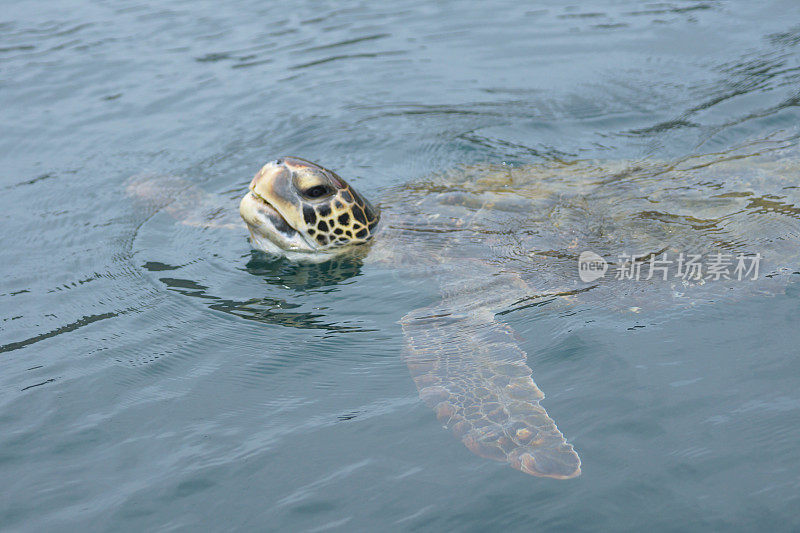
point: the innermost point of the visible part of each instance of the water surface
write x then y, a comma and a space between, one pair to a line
161, 376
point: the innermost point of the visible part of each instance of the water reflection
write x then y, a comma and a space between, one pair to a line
276, 272
303, 276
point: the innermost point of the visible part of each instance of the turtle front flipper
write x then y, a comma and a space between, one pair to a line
469, 369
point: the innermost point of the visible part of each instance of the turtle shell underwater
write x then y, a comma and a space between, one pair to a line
500, 238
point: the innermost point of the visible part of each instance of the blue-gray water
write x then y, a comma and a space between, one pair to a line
155, 376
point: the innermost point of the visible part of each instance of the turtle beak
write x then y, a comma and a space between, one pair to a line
256, 207
256, 204
263, 184
272, 187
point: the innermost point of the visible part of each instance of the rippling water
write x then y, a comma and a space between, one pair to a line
162, 376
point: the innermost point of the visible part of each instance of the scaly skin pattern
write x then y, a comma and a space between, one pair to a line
344, 220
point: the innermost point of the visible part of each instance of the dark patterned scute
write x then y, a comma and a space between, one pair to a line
309, 215
358, 214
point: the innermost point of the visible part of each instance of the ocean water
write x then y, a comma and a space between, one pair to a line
156, 376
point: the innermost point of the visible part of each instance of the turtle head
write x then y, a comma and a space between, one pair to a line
297, 209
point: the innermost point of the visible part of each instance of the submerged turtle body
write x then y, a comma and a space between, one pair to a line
496, 238
501, 238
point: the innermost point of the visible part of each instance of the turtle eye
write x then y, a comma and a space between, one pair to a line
317, 191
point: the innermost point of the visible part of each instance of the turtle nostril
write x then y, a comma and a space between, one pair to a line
278, 161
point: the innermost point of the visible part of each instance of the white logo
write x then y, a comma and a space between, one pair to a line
591, 266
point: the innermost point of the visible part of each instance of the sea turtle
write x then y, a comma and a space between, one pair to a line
497, 238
